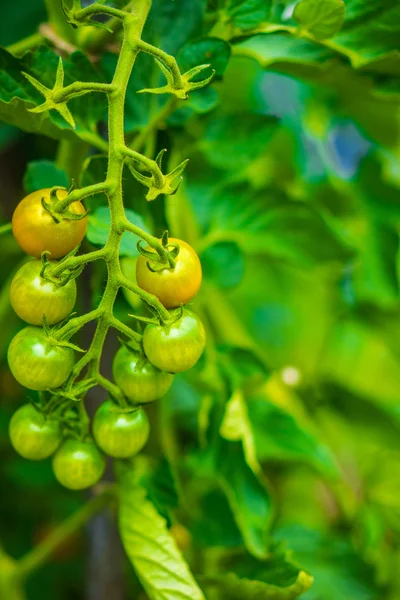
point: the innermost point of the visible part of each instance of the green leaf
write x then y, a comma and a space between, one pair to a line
240, 577
152, 551
279, 436
247, 14
375, 371
231, 142
99, 227
223, 264
212, 51
321, 18
43, 174
184, 17
17, 95
248, 497
241, 477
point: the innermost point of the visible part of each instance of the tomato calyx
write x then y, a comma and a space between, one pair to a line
66, 275
165, 183
54, 341
56, 215
175, 315
157, 262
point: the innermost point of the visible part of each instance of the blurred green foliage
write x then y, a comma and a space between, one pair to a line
280, 451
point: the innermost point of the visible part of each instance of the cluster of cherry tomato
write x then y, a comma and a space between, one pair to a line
40, 363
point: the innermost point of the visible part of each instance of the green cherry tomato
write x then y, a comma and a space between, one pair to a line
33, 435
32, 296
120, 434
36, 363
139, 380
78, 464
176, 347
176, 286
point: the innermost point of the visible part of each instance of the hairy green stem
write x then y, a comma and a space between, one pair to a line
42, 553
26, 44
58, 22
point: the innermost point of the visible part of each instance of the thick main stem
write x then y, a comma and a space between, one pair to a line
133, 26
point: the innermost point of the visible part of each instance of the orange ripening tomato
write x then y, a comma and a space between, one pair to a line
36, 231
172, 287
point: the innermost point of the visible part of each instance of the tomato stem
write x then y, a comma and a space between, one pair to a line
42, 553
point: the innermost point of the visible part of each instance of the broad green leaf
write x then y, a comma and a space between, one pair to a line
184, 17
200, 102
374, 372
375, 273
241, 476
20, 20
248, 497
280, 436
223, 264
321, 18
241, 577
232, 587
17, 95
151, 549
338, 570
99, 227
43, 174
231, 142
213, 51
247, 14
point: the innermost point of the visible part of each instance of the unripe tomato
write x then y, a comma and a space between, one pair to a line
36, 231
32, 296
139, 381
33, 435
120, 434
176, 286
176, 347
78, 464
36, 363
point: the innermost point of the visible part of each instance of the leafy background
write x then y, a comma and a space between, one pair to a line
278, 456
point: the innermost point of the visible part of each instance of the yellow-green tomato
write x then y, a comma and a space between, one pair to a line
36, 231
34, 435
175, 347
36, 362
78, 464
173, 287
32, 296
119, 433
139, 380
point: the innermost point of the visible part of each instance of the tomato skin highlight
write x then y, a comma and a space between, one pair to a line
176, 347
36, 231
173, 287
35, 363
78, 464
33, 435
145, 384
32, 296
120, 434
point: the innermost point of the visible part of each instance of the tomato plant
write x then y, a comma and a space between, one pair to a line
200, 228
120, 434
32, 296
